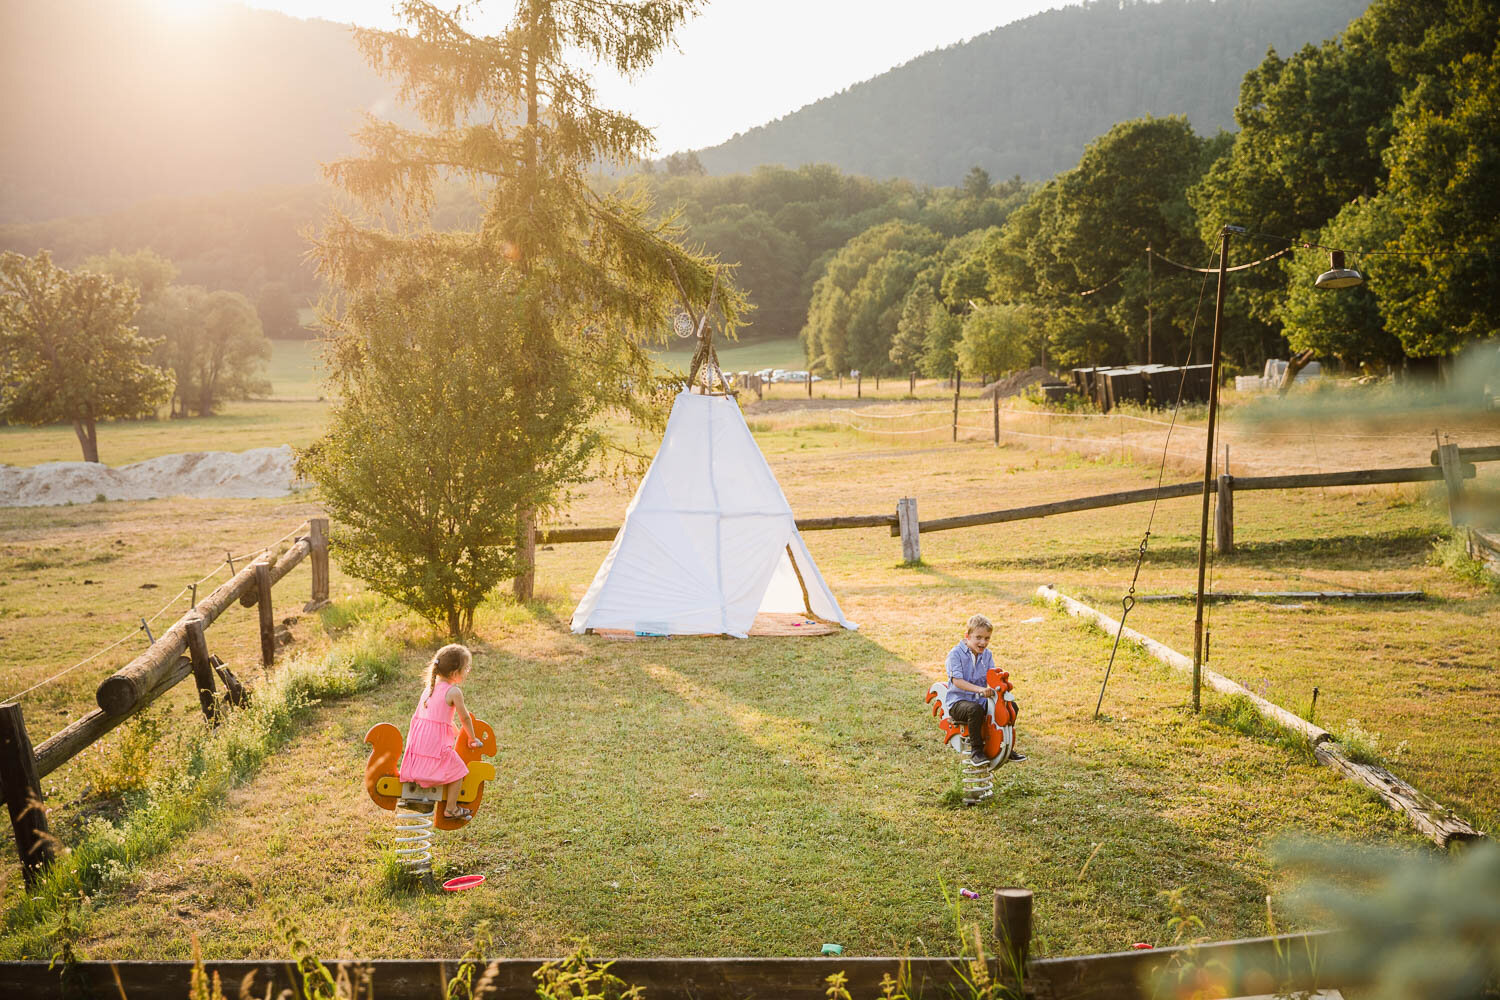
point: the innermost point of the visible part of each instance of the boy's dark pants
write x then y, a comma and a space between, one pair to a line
971, 714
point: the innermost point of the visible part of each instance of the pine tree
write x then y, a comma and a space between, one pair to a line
580, 280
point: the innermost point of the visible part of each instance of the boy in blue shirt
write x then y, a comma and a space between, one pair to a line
967, 699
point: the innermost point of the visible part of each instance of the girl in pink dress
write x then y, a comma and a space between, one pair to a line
430, 758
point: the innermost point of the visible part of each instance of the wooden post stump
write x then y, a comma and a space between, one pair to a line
1224, 516
203, 668
23, 795
525, 582
1453, 479
267, 616
906, 521
958, 384
1013, 930
317, 533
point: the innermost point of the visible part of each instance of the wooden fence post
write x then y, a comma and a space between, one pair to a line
1013, 931
1224, 516
859, 385
809, 385
877, 381
317, 534
911, 384
958, 384
995, 401
23, 794
1453, 479
524, 584
203, 668
267, 615
911, 538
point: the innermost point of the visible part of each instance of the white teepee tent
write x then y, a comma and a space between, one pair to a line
709, 540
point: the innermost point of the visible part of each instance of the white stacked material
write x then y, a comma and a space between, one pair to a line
1249, 383
259, 472
709, 541
1276, 371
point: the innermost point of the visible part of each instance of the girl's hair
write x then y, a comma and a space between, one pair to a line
446, 662
978, 621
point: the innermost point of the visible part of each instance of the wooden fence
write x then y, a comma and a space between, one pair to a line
1451, 466
1282, 964
180, 651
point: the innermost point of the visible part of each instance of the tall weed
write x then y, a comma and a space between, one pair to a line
192, 784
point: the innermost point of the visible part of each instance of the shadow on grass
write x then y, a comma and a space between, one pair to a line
1401, 546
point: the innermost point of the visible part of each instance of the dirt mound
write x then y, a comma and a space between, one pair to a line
1012, 385
259, 472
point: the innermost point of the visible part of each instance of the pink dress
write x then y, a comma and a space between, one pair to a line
430, 758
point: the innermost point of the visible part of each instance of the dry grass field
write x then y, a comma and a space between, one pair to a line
712, 796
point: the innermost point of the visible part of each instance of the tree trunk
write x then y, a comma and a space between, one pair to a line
1298, 362
88, 438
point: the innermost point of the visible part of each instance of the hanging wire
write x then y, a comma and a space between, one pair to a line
145, 626
1128, 601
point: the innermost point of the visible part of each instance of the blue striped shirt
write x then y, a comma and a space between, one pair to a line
963, 663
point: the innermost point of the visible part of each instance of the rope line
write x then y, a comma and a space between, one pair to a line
147, 621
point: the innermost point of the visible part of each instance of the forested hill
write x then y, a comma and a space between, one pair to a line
1025, 99
110, 102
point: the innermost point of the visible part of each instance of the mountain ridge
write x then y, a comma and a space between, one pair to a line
879, 127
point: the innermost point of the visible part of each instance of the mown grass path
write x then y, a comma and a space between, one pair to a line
708, 796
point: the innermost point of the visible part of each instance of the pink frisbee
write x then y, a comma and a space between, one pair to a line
463, 882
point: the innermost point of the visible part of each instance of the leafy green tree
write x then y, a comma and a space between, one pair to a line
852, 320
277, 308
911, 326
460, 415
1346, 324
587, 278
940, 346
996, 340
1444, 194
976, 182
148, 271
68, 351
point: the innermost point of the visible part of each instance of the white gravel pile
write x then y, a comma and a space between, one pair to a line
259, 472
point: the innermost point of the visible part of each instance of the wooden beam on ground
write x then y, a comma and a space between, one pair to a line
1429, 816
1485, 546
1439, 823
65, 744
1297, 595
1174, 659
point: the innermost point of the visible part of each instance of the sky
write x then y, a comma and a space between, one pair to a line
743, 63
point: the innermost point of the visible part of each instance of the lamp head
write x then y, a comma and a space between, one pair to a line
1337, 275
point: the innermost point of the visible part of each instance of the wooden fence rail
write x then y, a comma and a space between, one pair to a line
903, 523
1285, 963
140, 682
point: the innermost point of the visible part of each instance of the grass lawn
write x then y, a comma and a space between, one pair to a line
296, 369
750, 355
709, 796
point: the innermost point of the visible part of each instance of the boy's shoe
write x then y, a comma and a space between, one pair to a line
978, 759
1017, 756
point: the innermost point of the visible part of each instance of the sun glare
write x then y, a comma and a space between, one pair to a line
182, 10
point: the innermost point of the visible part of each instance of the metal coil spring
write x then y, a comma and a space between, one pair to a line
979, 782
413, 839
